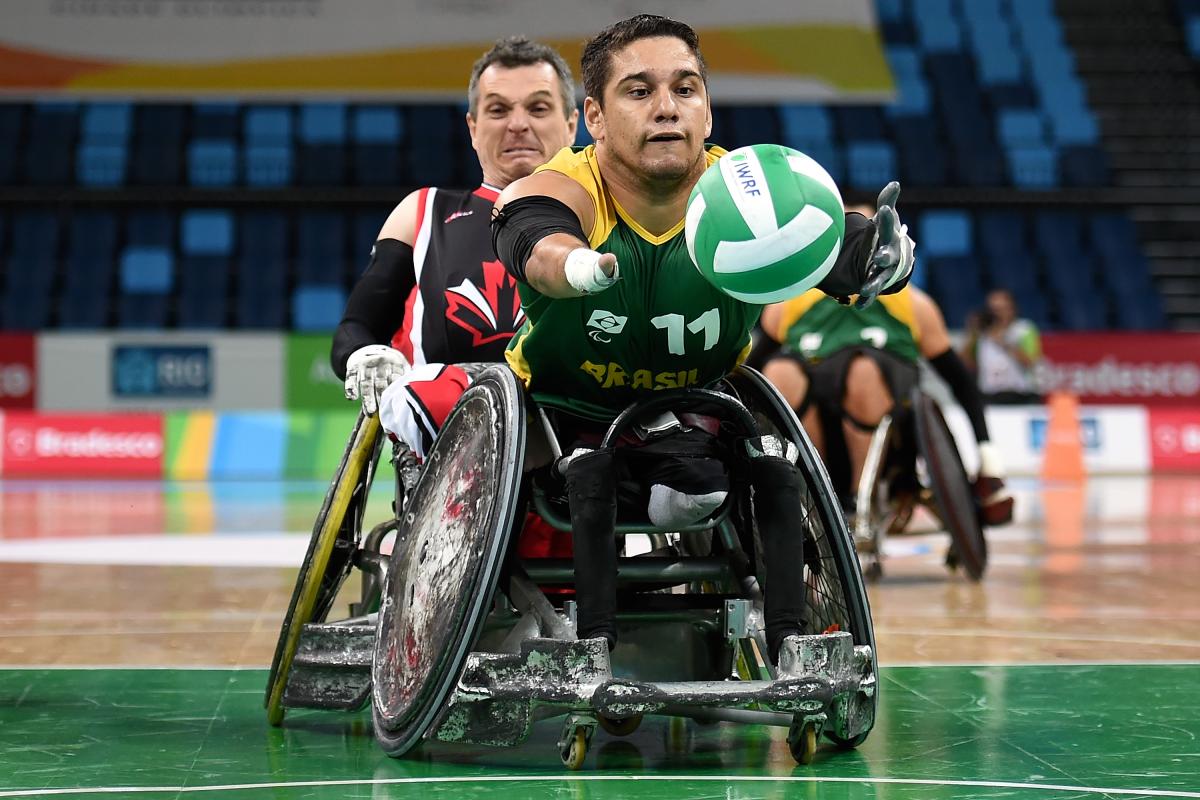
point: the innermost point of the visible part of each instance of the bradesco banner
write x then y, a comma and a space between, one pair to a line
81, 445
764, 51
1135, 368
310, 381
18, 371
1175, 439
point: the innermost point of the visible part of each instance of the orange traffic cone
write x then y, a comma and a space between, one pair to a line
1062, 455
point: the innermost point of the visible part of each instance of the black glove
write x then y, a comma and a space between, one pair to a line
892, 252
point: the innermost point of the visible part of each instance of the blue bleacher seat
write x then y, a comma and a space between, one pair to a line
946, 233
322, 153
323, 123
268, 146
268, 164
1020, 128
801, 124
1033, 167
376, 125
101, 164
147, 270
870, 165
107, 123
1192, 34
1074, 126
317, 307
212, 162
207, 233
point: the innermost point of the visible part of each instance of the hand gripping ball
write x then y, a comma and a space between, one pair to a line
765, 223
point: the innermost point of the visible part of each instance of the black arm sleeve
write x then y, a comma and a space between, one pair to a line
966, 391
375, 310
524, 222
849, 272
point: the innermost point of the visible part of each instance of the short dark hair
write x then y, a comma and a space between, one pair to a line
596, 63
518, 51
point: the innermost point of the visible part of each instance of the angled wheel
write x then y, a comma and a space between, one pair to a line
837, 596
328, 561
951, 488
447, 559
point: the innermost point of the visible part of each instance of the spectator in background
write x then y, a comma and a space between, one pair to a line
1003, 349
434, 294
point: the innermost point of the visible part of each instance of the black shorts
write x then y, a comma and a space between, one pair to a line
827, 392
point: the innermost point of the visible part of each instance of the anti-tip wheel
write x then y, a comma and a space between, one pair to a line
620, 726
575, 752
802, 741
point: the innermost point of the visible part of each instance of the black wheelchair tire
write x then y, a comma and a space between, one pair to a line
400, 731
857, 606
327, 562
951, 488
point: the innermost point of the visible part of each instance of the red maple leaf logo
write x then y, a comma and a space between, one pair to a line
489, 313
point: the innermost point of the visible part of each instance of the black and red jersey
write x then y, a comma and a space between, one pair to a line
464, 306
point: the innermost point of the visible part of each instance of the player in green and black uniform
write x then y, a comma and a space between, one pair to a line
616, 310
844, 369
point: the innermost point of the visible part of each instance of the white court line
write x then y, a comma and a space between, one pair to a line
970, 633
1052, 787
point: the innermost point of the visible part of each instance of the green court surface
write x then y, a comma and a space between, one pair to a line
1087, 731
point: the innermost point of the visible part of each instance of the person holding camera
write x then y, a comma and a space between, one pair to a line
1004, 350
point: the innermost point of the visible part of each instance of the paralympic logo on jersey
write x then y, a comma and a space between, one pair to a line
606, 325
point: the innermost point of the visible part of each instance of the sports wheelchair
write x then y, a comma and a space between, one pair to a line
912, 461
458, 639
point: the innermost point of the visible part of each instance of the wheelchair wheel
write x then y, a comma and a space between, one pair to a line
837, 597
328, 560
951, 487
447, 559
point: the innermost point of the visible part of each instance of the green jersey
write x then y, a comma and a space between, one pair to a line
816, 326
661, 326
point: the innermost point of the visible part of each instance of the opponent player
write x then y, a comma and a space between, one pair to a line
616, 309
843, 369
434, 290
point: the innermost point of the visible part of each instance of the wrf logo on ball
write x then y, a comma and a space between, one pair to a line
765, 223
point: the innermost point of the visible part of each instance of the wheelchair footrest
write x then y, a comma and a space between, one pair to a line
332, 667
499, 695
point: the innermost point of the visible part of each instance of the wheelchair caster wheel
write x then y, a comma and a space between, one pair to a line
575, 750
802, 741
621, 726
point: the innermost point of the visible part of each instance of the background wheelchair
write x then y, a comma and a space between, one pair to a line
913, 461
454, 638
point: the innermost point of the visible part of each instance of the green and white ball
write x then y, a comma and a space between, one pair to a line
765, 223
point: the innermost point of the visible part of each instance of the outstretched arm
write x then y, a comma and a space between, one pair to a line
538, 232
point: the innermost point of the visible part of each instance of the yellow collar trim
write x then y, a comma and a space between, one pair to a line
671, 233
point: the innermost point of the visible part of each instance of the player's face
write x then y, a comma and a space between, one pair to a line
519, 122
1001, 306
656, 114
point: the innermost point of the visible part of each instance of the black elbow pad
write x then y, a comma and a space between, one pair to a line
524, 222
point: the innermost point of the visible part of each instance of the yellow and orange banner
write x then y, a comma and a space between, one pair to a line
757, 50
